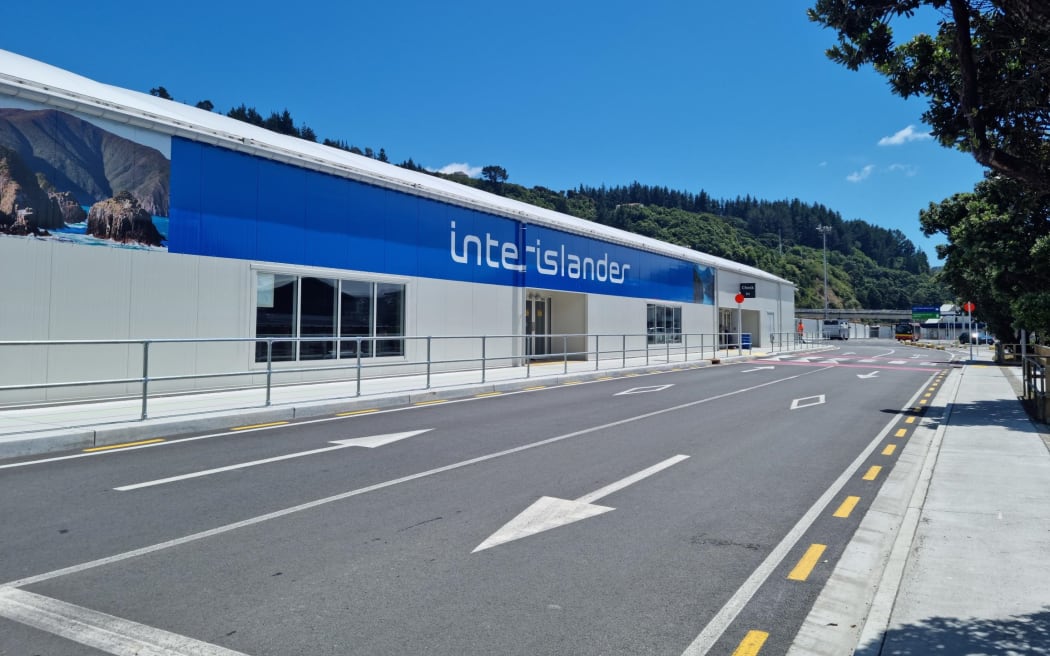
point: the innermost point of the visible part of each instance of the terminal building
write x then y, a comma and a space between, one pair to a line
129, 217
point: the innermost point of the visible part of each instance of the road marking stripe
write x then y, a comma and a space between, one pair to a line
484, 394
847, 507
873, 473
113, 635
433, 402
901, 432
272, 423
890, 448
572, 382
122, 446
923, 401
538, 387
807, 562
751, 644
356, 412
910, 420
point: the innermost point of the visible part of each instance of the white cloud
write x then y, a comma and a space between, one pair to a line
457, 167
823, 165
904, 136
862, 174
909, 170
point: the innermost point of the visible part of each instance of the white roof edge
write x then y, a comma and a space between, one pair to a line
39, 82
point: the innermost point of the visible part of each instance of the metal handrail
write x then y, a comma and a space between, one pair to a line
479, 356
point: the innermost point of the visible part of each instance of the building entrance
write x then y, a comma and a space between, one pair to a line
537, 325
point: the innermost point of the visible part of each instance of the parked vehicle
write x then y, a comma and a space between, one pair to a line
976, 337
836, 329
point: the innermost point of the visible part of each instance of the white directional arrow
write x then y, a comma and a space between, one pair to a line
550, 512
747, 371
871, 375
369, 442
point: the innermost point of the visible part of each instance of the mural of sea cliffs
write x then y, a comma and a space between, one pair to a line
62, 177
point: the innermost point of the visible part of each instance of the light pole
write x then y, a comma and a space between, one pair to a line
824, 230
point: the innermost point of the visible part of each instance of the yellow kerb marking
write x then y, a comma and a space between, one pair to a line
435, 401
357, 412
751, 644
901, 432
807, 563
890, 448
123, 446
923, 401
484, 394
873, 473
572, 382
847, 507
910, 420
607, 378
927, 395
272, 423
531, 389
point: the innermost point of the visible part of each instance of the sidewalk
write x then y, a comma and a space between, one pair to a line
42, 428
977, 573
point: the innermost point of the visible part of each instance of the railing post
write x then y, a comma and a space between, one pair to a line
685, 340
623, 352
358, 366
647, 350
565, 353
528, 358
145, 376
269, 369
484, 339
667, 350
428, 361
597, 351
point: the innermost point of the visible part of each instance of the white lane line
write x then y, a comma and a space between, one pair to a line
134, 553
369, 442
107, 633
728, 613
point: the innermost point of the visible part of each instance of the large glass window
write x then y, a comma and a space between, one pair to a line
317, 308
276, 300
664, 324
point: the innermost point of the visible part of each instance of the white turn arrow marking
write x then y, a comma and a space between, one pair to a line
747, 371
871, 375
550, 512
369, 442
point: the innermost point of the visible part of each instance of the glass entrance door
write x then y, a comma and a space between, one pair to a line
537, 326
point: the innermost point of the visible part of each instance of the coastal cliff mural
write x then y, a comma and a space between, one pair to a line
68, 178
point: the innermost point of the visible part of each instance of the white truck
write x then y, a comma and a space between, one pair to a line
836, 329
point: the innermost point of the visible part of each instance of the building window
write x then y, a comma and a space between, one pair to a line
329, 314
664, 324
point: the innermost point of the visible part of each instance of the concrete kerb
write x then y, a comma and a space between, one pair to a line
854, 606
107, 434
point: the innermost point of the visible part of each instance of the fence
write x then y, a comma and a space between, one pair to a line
1033, 375
421, 359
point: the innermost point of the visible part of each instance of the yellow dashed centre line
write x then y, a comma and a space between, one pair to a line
357, 412
901, 432
124, 445
751, 644
890, 448
272, 423
873, 473
807, 563
847, 507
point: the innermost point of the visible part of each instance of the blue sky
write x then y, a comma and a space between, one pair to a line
734, 98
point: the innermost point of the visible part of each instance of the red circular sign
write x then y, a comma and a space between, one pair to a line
968, 306
739, 298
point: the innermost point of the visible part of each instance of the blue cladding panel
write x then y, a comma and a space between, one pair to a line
250, 208
280, 235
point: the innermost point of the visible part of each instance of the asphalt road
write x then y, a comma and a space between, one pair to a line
652, 514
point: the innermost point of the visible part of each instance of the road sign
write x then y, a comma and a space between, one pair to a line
969, 307
739, 298
747, 289
922, 313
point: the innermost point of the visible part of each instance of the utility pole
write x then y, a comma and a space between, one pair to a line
824, 230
